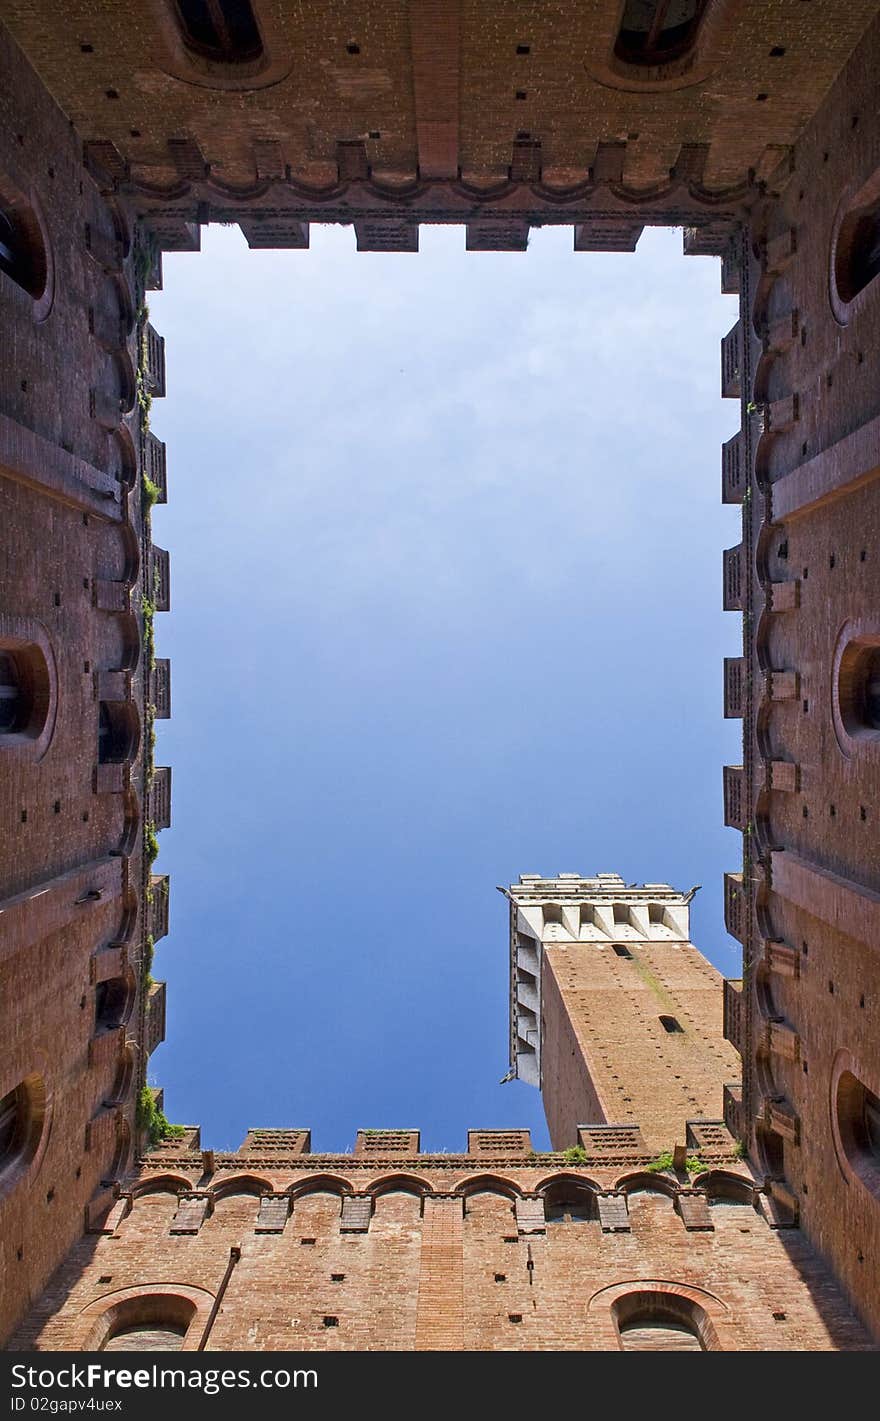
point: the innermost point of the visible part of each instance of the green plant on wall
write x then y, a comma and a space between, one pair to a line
693, 1164
575, 1154
150, 1118
663, 1161
150, 493
147, 968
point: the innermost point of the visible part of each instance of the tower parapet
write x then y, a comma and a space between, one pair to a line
614, 1014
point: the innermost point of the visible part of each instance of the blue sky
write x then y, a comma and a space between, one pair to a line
446, 542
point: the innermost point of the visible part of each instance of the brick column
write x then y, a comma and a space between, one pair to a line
440, 1315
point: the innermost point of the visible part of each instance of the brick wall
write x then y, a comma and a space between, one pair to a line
809, 916
71, 859
443, 1263
605, 1052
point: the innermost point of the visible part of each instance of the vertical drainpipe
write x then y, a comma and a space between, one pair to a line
234, 1256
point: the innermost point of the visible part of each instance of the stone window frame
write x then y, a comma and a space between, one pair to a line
34, 1080
707, 1313
30, 222
26, 638
674, 52
857, 1165
127, 1307
856, 198
852, 738
176, 57
119, 728
693, 66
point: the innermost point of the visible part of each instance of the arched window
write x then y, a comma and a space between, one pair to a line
145, 1322
654, 32
658, 1335
12, 695
22, 250
162, 1337
222, 31
13, 1128
111, 1003
857, 254
655, 1321
22, 1117
117, 734
24, 690
858, 686
567, 1202
858, 1119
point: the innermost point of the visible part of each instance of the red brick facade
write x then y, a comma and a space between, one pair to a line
761, 140
436, 1252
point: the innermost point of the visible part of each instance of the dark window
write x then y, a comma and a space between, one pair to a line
24, 690
871, 691
568, 1203
657, 31
621, 950
224, 31
857, 258
671, 1023
22, 253
872, 1123
116, 733
567, 1213
858, 1114
111, 1001
13, 1127
12, 695
859, 688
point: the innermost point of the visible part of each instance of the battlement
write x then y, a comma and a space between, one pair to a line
292, 1148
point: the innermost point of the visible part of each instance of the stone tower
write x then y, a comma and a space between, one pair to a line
613, 1011
124, 129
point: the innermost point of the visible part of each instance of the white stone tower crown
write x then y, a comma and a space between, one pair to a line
602, 911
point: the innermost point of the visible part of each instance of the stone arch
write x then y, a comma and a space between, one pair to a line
119, 731
25, 1105
853, 1097
131, 822
613, 63
319, 1184
399, 1184
130, 641
263, 63
647, 1182
28, 668
118, 1092
567, 1196
567, 1176
27, 252
161, 1184
488, 1184
114, 1001
724, 1184
700, 1311
121, 1150
175, 1304
241, 1184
